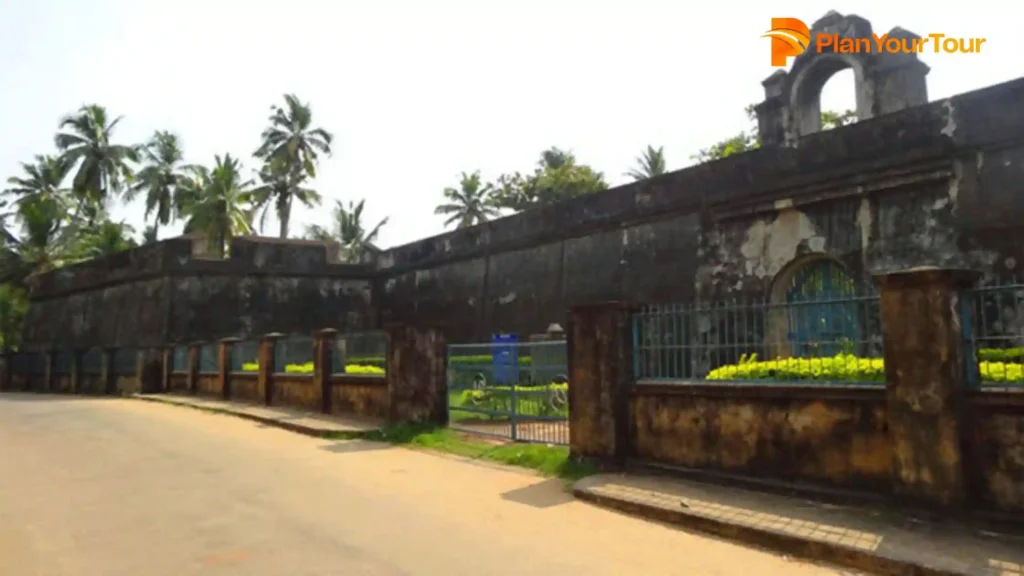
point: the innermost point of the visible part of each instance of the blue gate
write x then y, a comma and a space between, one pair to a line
823, 318
511, 389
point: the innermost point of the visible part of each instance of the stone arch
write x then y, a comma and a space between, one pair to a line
811, 311
884, 82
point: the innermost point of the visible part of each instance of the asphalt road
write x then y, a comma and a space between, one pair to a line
111, 487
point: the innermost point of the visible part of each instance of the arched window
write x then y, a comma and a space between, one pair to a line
822, 317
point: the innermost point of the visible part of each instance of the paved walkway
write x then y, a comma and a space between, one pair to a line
301, 421
874, 540
119, 487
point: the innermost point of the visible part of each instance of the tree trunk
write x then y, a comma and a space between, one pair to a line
284, 213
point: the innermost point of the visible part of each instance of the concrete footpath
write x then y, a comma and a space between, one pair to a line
872, 540
300, 421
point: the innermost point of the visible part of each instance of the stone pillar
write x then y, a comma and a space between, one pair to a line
323, 342
416, 375
192, 369
600, 377
924, 374
5, 370
107, 378
48, 384
149, 372
166, 368
224, 366
76, 370
265, 376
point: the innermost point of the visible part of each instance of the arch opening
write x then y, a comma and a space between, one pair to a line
843, 77
817, 312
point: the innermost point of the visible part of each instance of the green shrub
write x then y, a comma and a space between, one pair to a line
307, 368
1001, 354
841, 368
549, 400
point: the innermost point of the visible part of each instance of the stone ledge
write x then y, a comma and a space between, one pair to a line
875, 541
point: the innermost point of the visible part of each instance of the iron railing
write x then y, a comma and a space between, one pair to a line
360, 353
805, 340
245, 356
993, 330
209, 359
179, 359
510, 389
294, 355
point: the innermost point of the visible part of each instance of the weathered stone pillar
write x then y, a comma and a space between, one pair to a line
265, 376
76, 370
48, 384
5, 370
416, 375
107, 379
166, 368
600, 377
924, 374
224, 366
148, 370
192, 369
323, 343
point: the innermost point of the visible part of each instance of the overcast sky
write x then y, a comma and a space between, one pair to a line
417, 91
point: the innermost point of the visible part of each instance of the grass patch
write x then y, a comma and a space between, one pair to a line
547, 460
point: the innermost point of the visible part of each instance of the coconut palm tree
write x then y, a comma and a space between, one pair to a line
469, 204
217, 202
150, 235
291, 137
40, 245
102, 166
649, 164
348, 231
159, 177
42, 181
281, 184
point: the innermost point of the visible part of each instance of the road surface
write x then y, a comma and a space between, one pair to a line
112, 487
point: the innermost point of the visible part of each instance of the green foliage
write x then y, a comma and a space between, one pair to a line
549, 400
748, 140
348, 231
849, 368
557, 177
1001, 354
470, 204
307, 368
13, 306
649, 164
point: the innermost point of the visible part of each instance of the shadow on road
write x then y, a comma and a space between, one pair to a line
38, 397
349, 446
544, 494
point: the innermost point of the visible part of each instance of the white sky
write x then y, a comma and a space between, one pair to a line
416, 92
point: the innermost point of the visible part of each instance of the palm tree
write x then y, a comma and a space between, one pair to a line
649, 164
348, 231
150, 235
469, 204
281, 184
291, 138
85, 141
217, 202
41, 243
42, 180
159, 177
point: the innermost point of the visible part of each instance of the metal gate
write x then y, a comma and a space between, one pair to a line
510, 389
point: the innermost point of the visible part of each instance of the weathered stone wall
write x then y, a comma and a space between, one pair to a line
828, 435
169, 292
995, 449
937, 184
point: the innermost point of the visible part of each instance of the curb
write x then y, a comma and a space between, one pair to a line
814, 550
289, 426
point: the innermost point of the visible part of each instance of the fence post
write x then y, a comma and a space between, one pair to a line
925, 382
224, 366
323, 343
192, 367
265, 376
600, 351
417, 375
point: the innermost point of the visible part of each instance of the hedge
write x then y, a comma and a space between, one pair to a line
549, 400
307, 368
841, 368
